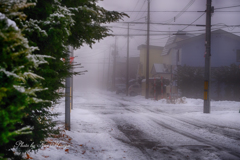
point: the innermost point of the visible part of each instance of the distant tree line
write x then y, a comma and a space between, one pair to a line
225, 82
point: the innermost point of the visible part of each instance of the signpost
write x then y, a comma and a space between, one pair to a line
68, 93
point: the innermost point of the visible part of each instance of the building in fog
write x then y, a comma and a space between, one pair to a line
187, 49
225, 50
154, 57
121, 69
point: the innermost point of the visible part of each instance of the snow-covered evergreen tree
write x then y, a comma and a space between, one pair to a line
48, 26
16, 69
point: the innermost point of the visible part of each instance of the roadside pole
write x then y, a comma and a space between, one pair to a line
114, 64
127, 60
67, 97
127, 73
155, 94
207, 75
162, 88
103, 76
147, 56
72, 60
108, 76
171, 84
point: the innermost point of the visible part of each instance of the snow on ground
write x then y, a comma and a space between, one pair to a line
106, 126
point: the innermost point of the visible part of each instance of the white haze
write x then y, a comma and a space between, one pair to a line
96, 59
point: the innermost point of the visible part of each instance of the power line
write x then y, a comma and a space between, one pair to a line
179, 11
140, 9
138, 19
227, 7
136, 4
94, 54
161, 11
183, 10
144, 34
167, 34
189, 31
193, 22
151, 30
198, 25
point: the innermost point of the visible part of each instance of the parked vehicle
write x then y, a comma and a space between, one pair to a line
132, 81
120, 88
134, 89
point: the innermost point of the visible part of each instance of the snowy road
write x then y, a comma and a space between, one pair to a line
108, 126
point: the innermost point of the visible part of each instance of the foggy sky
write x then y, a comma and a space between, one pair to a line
94, 59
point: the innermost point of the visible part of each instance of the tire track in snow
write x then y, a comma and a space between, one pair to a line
137, 139
235, 135
220, 130
231, 151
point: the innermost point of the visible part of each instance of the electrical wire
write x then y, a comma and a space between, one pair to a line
136, 5
178, 11
192, 22
227, 7
140, 9
160, 11
181, 12
94, 54
157, 31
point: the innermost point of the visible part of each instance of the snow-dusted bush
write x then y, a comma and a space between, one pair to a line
49, 27
16, 64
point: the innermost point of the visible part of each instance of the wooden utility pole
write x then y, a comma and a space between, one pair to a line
108, 77
103, 76
127, 60
147, 56
114, 64
207, 75
127, 69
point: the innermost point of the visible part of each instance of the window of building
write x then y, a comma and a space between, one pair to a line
238, 55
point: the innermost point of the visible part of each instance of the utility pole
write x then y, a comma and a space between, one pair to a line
127, 61
127, 72
114, 64
67, 96
103, 71
108, 77
207, 75
147, 56
71, 89
98, 72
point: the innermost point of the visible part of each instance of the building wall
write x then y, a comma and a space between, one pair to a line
154, 57
223, 51
193, 53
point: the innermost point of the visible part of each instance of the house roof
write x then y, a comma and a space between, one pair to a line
181, 35
218, 32
177, 42
158, 68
